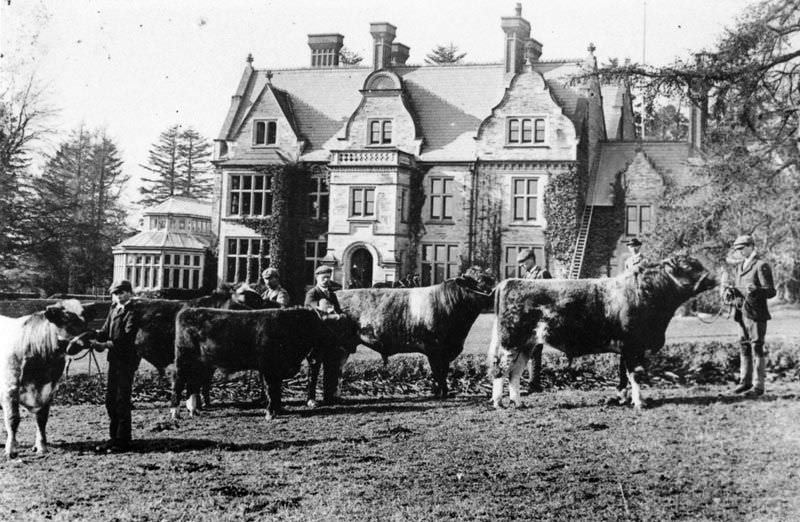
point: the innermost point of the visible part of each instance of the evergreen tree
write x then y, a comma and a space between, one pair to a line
180, 163
348, 57
444, 54
77, 214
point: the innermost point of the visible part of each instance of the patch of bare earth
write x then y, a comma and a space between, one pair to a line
694, 454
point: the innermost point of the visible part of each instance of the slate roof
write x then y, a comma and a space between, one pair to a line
161, 239
671, 159
449, 101
181, 205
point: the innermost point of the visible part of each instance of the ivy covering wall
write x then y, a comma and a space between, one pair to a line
563, 205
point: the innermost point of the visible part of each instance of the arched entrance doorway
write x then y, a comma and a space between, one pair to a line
360, 269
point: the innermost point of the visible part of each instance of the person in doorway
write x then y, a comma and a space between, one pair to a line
527, 259
754, 281
117, 336
275, 293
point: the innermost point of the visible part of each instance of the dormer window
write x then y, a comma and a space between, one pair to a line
526, 131
265, 132
380, 132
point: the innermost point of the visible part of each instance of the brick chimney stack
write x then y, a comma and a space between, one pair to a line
325, 49
383, 34
518, 32
399, 54
699, 109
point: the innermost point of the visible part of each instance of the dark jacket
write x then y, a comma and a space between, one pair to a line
315, 294
120, 329
759, 275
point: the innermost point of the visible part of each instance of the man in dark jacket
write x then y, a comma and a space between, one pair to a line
321, 296
118, 335
754, 281
275, 293
527, 259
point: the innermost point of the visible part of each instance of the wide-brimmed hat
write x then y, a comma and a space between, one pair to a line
634, 242
743, 241
270, 272
525, 254
323, 269
121, 286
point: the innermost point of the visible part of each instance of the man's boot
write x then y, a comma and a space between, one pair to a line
760, 371
745, 369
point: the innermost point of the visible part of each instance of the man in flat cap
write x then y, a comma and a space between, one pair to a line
321, 296
275, 292
118, 335
754, 281
527, 258
636, 258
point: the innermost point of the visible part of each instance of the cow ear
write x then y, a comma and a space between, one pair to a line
461, 281
89, 312
55, 314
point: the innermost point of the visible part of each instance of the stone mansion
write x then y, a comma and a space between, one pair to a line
427, 168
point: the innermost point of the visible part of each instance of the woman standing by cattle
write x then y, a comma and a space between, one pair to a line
118, 335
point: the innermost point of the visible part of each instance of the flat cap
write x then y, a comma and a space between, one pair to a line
743, 240
121, 286
634, 242
527, 253
270, 272
323, 269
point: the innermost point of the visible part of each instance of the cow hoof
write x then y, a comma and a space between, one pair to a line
514, 405
174, 414
497, 405
311, 403
270, 415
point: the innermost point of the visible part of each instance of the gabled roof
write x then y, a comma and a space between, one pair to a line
449, 101
181, 205
671, 159
161, 239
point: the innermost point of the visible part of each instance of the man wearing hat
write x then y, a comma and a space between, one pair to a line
635, 259
275, 292
527, 258
118, 335
754, 281
321, 296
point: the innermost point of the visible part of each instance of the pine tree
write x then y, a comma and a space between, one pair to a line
180, 162
348, 57
444, 54
77, 214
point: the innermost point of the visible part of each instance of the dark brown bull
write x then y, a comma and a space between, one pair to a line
155, 320
32, 358
274, 342
627, 314
432, 320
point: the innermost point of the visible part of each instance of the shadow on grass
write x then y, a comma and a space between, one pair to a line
705, 400
176, 445
357, 406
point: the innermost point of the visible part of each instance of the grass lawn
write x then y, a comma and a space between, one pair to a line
695, 454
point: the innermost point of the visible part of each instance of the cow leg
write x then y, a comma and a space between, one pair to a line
313, 376
514, 377
332, 372
498, 364
622, 385
273, 385
41, 426
634, 370
439, 366
208, 378
535, 370
10, 403
178, 385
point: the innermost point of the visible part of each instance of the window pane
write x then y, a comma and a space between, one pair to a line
185, 279
258, 203
532, 187
374, 132
242, 269
196, 260
441, 253
436, 204
267, 205
436, 186
539, 134
357, 196
310, 248
259, 132
438, 276
234, 203
166, 259
426, 274
452, 253
387, 132
531, 208
369, 208
255, 247
447, 213
195, 278
519, 187
272, 129
447, 186
231, 247
527, 131
427, 253
322, 249
165, 278
513, 131
234, 182
519, 208
323, 206
259, 182
243, 247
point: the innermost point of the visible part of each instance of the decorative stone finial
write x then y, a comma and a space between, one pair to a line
591, 48
250, 58
269, 76
518, 9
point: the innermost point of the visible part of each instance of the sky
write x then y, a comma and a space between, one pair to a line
135, 67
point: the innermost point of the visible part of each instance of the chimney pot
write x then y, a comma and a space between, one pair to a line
325, 49
399, 54
383, 34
